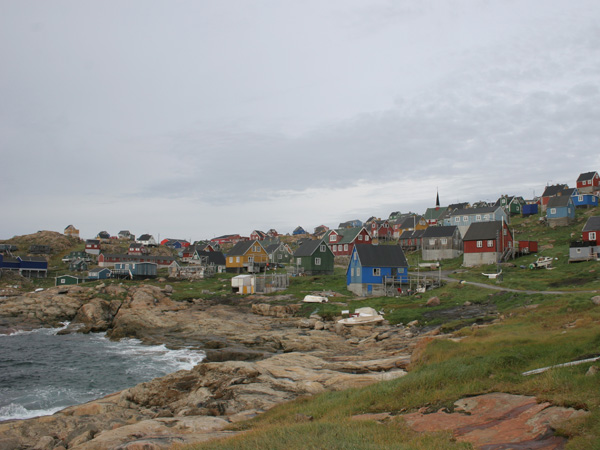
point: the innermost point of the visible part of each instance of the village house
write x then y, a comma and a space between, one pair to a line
99, 273
247, 256
560, 211
409, 222
111, 260
279, 253
463, 218
136, 248
258, 235
591, 230
298, 231
582, 200
589, 183
92, 246
441, 242
376, 270
175, 243
71, 231
589, 247
486, 243
351, 224
410, 240
513, 205
549, 192
436, 215
342, 241
314, 257
147, 240
125, 235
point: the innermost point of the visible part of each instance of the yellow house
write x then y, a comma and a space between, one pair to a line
247, 256
71, 231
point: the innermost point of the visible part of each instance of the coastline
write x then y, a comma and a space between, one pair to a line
257, 355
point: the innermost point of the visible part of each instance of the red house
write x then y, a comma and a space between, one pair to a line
552, 191
486, 243
258, 235
591, 230
342, 241
228, 239
588, 183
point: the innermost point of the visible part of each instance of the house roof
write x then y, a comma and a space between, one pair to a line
411, 234
444, 231
471, 211
554, 189
308, 248
349, 234
559, 201
586, 176
462, 205
381, 256
592, 224
434, 213
216, 258
145, 237
241, 248
483, 230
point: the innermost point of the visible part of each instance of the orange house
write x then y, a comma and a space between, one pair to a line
247, 256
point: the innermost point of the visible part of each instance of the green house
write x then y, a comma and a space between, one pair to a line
314, 257
65, 280
512, 205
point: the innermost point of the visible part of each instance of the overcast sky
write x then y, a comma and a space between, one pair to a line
193, 119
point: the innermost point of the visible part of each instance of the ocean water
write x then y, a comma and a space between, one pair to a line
42, 372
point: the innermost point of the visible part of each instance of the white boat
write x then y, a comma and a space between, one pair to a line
315, 299
362, 316
492, 276
542, 261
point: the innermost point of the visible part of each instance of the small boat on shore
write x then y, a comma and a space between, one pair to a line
362, 316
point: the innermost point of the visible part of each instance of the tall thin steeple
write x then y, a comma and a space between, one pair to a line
437, 200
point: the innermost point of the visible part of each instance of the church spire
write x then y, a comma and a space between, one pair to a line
437, 200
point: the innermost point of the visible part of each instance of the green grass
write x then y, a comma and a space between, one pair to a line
488, 359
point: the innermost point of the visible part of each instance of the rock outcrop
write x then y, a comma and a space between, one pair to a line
257, 357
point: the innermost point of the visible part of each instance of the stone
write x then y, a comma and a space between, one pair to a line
592, 371
596, 300
433, 301
45, 443
498, 420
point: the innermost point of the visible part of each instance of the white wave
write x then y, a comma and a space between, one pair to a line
14, 411
46, 331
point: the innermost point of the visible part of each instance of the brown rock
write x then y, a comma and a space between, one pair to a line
596, 300
499, 421
433, 301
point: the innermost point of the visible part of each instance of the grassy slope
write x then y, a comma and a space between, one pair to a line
534, 331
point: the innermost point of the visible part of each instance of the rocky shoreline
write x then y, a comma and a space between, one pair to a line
258, 355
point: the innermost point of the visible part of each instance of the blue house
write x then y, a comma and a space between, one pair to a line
33, 267
298, 231
530, 209
99, 273
560, 211
376, 270
584, 200
462, 218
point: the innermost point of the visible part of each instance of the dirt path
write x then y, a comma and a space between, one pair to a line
445, 277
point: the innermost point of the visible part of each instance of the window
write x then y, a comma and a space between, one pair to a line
355, 256
255, 248
237, 259
478, 217
377, 272
367, 238
479, 244
360, 237
317, 261
332, 238
250, 259
358, 271
444, 241
465, 218
580, 198
490, 243
431, 241
280, 256
592, 236
457, 219
345, 247
504, 231
552, 210
231, 259
299, 261
322, 248
334, 248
